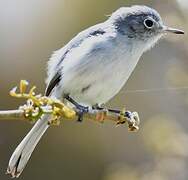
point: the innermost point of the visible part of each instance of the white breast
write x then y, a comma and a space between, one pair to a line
97, 76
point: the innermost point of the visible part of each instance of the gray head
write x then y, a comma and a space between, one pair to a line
141, 23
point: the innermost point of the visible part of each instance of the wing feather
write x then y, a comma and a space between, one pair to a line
54, 82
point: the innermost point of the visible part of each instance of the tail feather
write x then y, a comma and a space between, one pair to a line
24, 150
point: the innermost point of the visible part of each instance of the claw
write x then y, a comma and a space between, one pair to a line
81, 111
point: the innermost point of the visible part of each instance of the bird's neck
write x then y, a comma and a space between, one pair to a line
133, 47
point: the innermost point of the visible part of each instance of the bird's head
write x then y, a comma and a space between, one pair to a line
141, 24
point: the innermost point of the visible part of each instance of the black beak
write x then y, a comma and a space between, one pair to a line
173, 30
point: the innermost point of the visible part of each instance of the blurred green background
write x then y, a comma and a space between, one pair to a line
30, 30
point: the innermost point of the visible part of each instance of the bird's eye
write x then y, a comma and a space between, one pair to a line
148, 23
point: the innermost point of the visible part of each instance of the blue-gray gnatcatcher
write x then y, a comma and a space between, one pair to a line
93, 67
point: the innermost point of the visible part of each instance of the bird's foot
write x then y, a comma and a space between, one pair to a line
123, 116
132, 118
80, 108
80, 111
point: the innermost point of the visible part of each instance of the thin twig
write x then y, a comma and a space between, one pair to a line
12, 115
92, 115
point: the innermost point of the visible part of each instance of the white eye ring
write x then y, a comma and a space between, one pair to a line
149, 23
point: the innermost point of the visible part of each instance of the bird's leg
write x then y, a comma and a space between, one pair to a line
122, 115
98, 107
126, 114
81, 109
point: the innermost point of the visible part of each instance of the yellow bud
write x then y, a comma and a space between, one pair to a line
68, 113
23, 86
14, 94
31, 92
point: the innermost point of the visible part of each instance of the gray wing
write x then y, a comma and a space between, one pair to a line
96, 30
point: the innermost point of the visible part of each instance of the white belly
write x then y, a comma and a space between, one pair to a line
97, 80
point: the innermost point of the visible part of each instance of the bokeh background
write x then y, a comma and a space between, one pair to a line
30, 30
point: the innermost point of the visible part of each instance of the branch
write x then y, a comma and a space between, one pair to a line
37, 105
12, 115
92, 115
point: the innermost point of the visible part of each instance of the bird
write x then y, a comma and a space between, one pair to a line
94, 66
